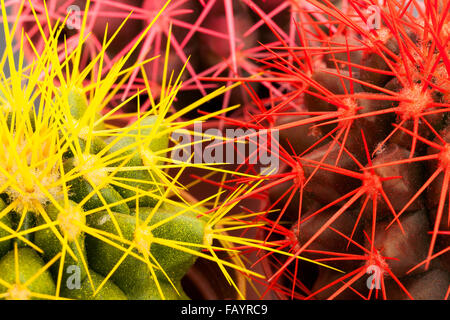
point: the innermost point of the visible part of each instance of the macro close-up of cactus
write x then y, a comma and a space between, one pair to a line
225, 150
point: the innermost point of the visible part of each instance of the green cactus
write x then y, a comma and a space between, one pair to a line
88, 209
28, 265
90, 214
72, 231
84, 292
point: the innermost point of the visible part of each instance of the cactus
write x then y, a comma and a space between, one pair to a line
364, 156
90, 207
88, 210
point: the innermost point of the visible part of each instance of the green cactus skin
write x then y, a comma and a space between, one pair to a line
78, 104
133, 275
151, 292
186, 227
103, 257
49, 243
28, 222
80, 189
29, 264
149, 180
133, 279
146, 127
109, 290
5, 245
96, 146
